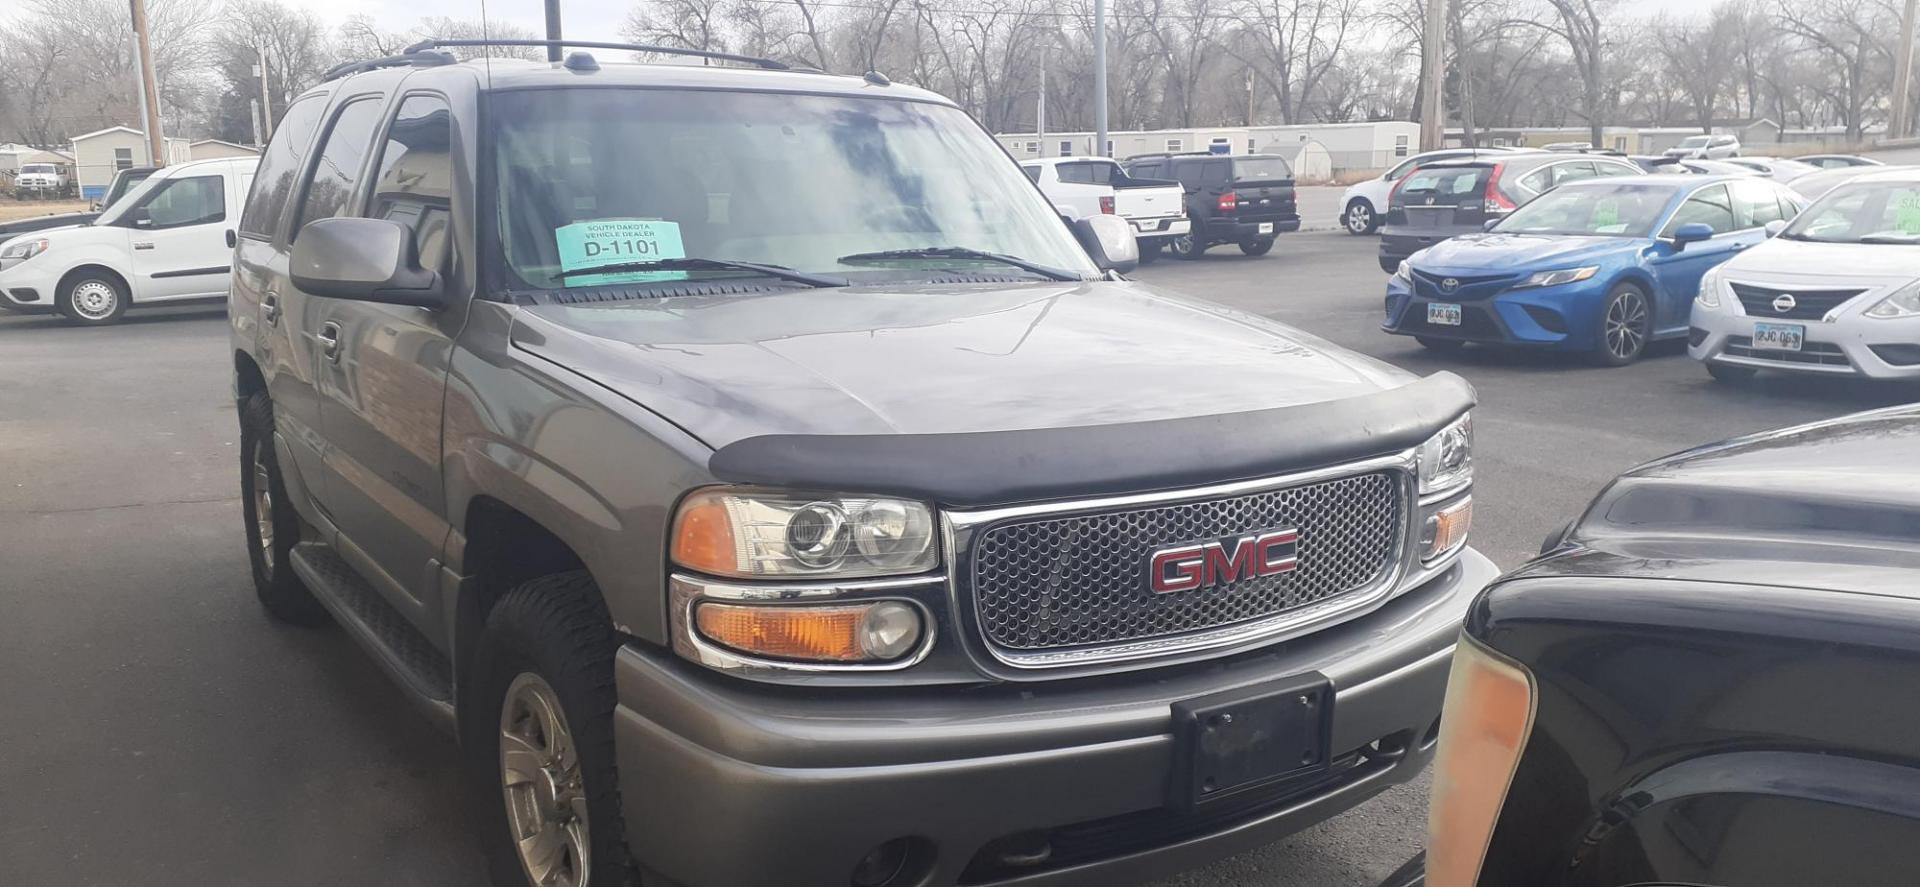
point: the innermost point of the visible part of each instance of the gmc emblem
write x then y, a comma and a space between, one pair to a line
1223, 562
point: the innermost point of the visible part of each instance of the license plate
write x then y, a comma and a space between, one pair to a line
1233, 742
1779, 336
1266, 227
1443, 314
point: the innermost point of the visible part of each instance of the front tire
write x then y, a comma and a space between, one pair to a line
272, 526
1258, 246
1360, 218
1626, 324
1187, 247
92, 298
540, 740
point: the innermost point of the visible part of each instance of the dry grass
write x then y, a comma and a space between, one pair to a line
11, 210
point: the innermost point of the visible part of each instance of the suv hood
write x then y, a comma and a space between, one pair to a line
941, 358
1481, 253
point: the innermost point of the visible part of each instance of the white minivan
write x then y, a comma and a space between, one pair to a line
170, 239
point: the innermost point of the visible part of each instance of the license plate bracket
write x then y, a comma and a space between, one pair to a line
1443, 314
1779, 336
1266, 227
1236, 741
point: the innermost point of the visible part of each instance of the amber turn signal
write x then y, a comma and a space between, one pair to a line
872, 632
703, 536
1484, 727
1446, 529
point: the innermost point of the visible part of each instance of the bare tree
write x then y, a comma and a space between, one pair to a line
1698, 58
1852, 35
1581, 24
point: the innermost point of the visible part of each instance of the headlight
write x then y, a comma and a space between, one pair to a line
1446, 459
1905, 302
1483, 730
1709, 295
22, 250
1401, 273
1564, 275
761, 534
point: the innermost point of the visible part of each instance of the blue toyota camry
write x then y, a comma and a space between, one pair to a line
1601, 266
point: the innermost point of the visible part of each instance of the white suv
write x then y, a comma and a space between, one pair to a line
170, 239
1705, 147
1365, 204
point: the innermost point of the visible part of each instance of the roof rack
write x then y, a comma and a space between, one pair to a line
769, 64
416, 58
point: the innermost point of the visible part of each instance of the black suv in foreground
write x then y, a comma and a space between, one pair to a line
1704, 680
1244, 199
767, 489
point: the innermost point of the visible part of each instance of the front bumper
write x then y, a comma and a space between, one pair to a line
734, 784
28, 288
1237, 230
1561, 318
1853, 345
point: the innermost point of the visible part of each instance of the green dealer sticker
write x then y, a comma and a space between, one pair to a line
605, 242
1907, 213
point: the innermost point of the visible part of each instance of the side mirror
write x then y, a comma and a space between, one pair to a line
1109, 241
1775, 227
1692, 232
369, 260
140, 219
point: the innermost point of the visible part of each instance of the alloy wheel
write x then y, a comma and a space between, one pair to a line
1626, 322
545, 794
263, 505
94, 299
1359, 218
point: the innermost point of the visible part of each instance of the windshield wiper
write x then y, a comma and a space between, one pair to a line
692, 263
1902, 239
961, 252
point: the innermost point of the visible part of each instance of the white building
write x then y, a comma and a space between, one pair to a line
1126, 143
208, 149
1371, 145
99, 154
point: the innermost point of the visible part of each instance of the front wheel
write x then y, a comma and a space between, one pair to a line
92, 298
1258, 246
1626, 323
541, 739
1359, 218
272, 526
1187, 246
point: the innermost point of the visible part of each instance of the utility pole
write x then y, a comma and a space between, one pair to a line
149, 92
1040, 110
140, 91
1433, 45
253, 105
264, 128
553, 29
1100, 78
1902, 76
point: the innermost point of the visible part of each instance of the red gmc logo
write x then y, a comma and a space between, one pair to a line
1207, 564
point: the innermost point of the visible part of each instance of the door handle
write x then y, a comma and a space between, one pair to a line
270, 308
232, 239
143, 244
329, 337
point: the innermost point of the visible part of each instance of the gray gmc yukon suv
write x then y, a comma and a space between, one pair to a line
767, 489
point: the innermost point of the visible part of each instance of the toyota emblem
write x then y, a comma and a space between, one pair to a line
1784, 302
1449, 284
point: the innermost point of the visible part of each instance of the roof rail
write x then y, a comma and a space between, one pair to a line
769, 64
419, 58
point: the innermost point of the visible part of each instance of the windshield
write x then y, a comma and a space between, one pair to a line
1862, 212
1612, 210
590, 178
1696, 142
37, 167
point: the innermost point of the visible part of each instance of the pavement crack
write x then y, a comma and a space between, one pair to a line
51, 511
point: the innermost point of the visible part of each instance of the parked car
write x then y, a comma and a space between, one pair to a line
1779, 169
1568, 147
1079, 187
1363, 205
122, 180
169, 240
1453, 197
1812, 185
1836, 293
1601, 267
43, 181
806, 505
1690, 685
1837, 161
1706, 147
1244, 199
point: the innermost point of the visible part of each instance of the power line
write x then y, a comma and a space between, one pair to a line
868, 7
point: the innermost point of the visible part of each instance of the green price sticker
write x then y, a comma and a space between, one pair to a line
604, 243
1907, 213
1606, 214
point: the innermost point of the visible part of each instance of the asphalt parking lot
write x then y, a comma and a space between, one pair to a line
161, 731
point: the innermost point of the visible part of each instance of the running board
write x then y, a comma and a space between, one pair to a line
401, 650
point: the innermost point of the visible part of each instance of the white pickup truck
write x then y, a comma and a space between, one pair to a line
46, 181
1083, 186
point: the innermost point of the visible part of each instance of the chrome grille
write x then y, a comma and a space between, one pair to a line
1081, 580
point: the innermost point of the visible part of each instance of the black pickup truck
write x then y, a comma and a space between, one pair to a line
1705, 680
1245, 199
123, 181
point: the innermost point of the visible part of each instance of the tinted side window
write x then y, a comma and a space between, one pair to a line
1033, 173
1188, 174
194, 200
1216, 172
1709, 206
1572, 172
279, 166
414, 184
336, 174
1147, 171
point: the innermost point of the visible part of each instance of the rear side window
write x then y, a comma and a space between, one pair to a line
279, 166
1260, 169
336, 175
1086, 173
1188, 174
1709, 206
1033, 173
1215, 172
1148, 171
414, 184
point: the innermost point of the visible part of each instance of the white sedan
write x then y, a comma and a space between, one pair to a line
1837, 292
